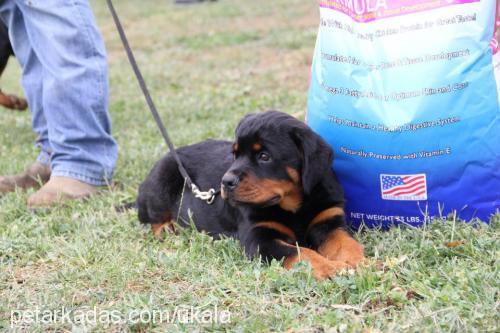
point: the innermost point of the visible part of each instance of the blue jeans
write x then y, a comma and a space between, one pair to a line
65, 79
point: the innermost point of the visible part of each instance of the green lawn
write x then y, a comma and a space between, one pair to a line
207, 65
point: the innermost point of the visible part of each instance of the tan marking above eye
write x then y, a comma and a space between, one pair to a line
256, 146
278, 227
325, 215
236, 147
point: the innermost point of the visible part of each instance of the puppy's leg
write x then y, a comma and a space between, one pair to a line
12, 102
328, 233
322, 267
158, 228
158, 195
272, 240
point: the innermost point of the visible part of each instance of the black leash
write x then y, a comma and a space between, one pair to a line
208, 196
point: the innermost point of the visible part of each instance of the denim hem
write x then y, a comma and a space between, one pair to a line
44, 158
81, 176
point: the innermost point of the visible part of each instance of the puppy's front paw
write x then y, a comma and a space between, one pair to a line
322, 267
328, 269
340, 246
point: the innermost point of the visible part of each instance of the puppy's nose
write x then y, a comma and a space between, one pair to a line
230, 181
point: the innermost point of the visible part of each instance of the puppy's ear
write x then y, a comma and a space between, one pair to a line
317, 157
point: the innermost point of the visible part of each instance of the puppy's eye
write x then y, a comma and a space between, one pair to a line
264, 157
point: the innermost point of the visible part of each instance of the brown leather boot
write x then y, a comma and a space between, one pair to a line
35, 176
60, 189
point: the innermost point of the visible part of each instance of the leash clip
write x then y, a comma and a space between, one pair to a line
207, 196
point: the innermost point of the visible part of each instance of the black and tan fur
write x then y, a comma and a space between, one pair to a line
279, 195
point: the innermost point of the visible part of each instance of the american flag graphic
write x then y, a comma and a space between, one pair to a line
403, 187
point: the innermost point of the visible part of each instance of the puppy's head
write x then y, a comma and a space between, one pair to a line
277, 160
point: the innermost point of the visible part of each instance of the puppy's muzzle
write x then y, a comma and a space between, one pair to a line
230, 182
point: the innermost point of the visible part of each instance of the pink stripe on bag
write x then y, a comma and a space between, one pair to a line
494, 40
370, 10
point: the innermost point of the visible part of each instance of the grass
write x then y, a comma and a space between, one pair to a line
207, 66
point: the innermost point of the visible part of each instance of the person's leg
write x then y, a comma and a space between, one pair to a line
65, 38
32, 70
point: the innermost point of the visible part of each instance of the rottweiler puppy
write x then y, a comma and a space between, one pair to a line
9, 101
279, 195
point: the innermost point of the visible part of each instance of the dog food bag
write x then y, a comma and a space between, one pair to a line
407, 94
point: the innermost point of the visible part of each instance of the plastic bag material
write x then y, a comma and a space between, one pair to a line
407, 93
